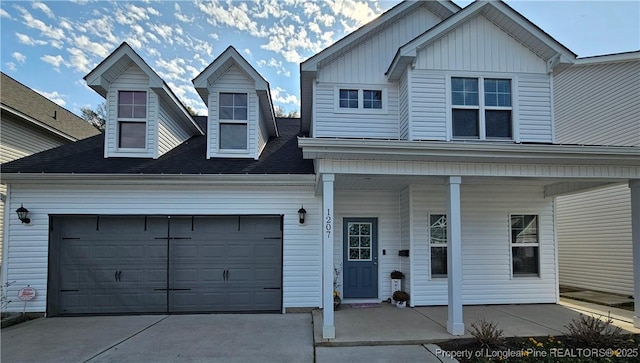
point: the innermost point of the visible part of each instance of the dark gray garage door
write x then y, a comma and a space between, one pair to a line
160, 264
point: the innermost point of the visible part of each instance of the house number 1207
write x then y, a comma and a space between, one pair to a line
328, 224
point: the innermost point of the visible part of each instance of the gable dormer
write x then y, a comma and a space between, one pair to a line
144, 117
241, 118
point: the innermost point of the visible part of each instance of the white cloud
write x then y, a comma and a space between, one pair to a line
232, 16
25, 39
99, 49
4, 14
180, 16
174, 67
277, 65
79, 60
19, 57
280, 95
103, 27
358, 11
163, 30
11, 66
289, 40
247, 51
44, 8
46, 30
53, 96
55, 61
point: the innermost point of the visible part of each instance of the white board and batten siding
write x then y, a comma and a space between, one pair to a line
27, 254
594, 229
233, 81
598, 104
478, 48
385, 207
486, 248
132, 79
364, 67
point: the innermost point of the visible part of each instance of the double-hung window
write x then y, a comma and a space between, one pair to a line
354, 99
438, 244
525, 245
481, 108
233, 111
132, 119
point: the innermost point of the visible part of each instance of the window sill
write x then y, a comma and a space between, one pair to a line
362, 111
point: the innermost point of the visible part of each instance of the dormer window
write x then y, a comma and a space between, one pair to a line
132, 119
233, 118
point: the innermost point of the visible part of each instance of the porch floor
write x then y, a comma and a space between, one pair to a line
388, 325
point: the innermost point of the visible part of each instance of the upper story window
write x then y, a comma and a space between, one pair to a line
360, 100
132, 119
481, 108
233, 117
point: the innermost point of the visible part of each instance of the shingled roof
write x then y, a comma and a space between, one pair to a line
26, 102
280, 156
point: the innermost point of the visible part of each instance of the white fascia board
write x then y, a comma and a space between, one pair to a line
609, 58
173, 179
37, 123
341, 149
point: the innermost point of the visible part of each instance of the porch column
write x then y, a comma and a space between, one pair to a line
455, 325
635, 238
328, 327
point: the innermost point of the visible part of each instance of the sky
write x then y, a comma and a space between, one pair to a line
50, 46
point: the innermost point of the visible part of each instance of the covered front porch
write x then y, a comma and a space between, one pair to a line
481, 189
388, 325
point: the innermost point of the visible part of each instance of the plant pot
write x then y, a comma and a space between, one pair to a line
401, 304
336, 302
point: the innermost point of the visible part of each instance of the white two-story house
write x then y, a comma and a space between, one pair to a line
426, 145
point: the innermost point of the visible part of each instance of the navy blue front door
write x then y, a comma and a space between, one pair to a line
360, 269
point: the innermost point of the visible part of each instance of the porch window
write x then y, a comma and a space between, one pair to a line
525, 245
233, 116
438, 244
349, 98
360, 100
481, 108
372, 99
132, 119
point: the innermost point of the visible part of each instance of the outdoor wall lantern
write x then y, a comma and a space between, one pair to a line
301, 214
23, 214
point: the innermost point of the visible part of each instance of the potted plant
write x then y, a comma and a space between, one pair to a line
401, 298
336, 285
397, 275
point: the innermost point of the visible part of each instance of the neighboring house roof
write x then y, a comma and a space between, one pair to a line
280, 156
220, 66
31, 106
609, 58
512, 22
442, 8
119, 60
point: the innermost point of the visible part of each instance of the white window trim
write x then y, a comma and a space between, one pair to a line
131, 150
232, 152
360, 88
515, 126
431, 276
511, 245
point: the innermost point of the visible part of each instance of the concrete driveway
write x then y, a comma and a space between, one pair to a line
162, 338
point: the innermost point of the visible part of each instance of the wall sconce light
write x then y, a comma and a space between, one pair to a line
23, 214
302, 214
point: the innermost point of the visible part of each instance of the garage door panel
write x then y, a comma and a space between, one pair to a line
118, 264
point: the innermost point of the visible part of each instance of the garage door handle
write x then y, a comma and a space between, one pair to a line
63, 290
270, 288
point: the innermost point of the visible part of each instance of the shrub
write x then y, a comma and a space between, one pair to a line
487, 334
395, 274
400, 296
592, 331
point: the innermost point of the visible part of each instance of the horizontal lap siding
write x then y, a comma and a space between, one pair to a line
355, 125
28, 247
170, 134
598, 104
534, 108
371, 204
486, 248
428, 105
594, 229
